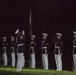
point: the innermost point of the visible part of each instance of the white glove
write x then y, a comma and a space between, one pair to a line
17, 31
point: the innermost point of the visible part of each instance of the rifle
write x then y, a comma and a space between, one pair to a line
30, 23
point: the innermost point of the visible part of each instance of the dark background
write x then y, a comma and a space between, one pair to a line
48, 16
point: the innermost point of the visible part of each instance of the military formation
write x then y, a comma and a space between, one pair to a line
17, 46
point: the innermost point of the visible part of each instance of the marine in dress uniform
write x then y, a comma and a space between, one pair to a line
58, 51
4, 51
74, 50
20, 53
12, 48
23, 62
45, 51
32, 50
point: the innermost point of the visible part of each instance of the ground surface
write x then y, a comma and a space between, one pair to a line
27, 71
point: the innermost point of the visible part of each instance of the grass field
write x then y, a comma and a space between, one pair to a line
27, 71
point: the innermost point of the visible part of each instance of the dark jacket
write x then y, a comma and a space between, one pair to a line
13, 46
4, 47
32, 47
44, 47
58, 45
22, 47
74, 48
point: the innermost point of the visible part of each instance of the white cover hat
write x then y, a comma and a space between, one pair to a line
44, 34
12, 37
33, 36
4, 37
58, 34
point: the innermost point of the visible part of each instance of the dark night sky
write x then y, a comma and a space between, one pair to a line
48, 16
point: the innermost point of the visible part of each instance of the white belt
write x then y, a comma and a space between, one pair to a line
20, 44
12, 47
74, 46
44, 47
32, 47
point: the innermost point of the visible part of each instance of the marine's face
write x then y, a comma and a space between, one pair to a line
58, 37
32, 38
75, 36
4, 40
44, 37
12, 39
